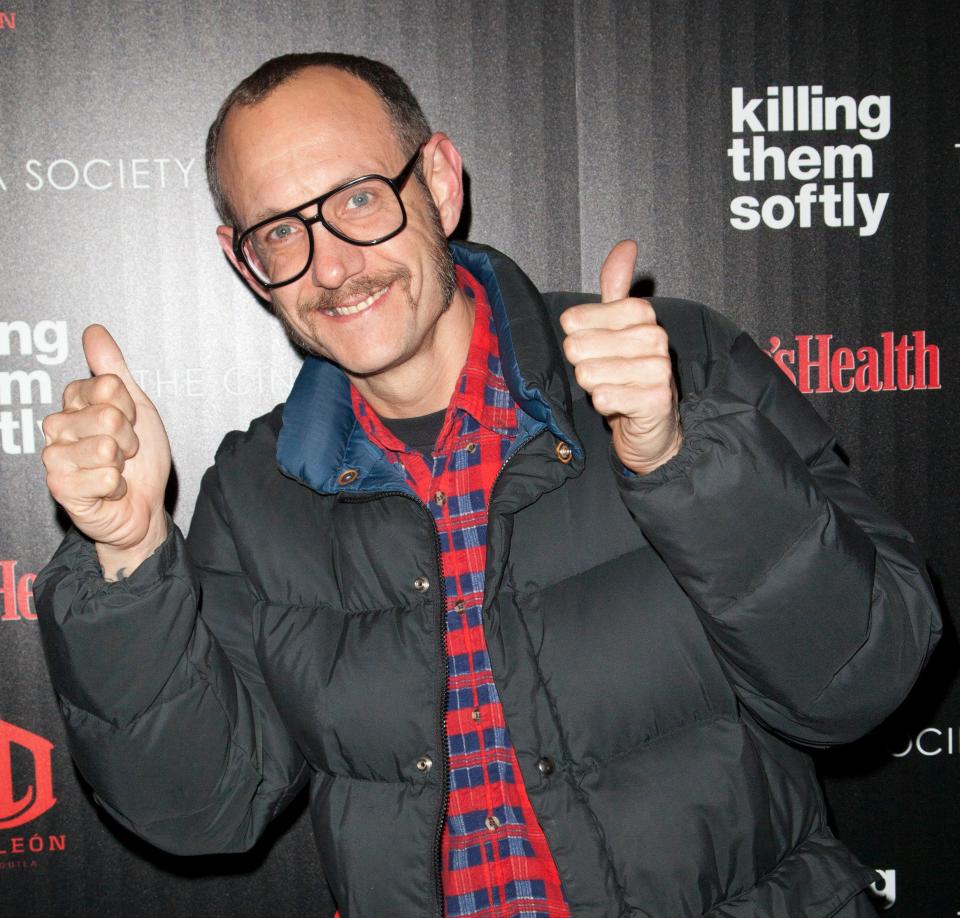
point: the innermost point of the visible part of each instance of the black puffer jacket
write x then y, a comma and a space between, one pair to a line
665, 643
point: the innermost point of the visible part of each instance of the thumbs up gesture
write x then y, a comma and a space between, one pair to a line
621, 359
108, 459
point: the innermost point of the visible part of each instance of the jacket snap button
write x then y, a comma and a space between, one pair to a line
545, 766
492, 823
421, 584
347, 476
563, 451
424, 763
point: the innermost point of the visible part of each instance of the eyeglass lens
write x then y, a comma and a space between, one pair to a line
364, 212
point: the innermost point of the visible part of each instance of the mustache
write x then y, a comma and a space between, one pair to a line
356, 289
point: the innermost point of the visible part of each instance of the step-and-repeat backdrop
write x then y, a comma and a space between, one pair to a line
794, 164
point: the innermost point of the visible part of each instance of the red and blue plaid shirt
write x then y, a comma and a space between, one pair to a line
496, 863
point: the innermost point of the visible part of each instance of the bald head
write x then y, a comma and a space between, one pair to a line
405, 117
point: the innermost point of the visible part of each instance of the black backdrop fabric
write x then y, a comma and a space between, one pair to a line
794, 164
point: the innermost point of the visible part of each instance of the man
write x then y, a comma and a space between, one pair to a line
535, 653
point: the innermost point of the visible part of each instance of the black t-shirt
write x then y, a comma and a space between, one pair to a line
418, 433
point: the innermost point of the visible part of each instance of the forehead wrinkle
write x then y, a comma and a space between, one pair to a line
305, 190
267, 211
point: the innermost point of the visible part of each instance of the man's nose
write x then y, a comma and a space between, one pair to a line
334, 261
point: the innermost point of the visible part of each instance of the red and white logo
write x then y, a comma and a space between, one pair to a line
24, 800
816, 364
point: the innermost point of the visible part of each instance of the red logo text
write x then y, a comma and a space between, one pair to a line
17, 593
815, 365
8, 21
34, 796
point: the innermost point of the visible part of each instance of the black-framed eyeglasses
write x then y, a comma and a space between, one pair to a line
364, 211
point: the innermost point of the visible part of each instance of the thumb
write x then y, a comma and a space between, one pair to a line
616, 275
104, 356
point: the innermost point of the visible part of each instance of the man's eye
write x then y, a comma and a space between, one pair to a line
281, 232
359, 199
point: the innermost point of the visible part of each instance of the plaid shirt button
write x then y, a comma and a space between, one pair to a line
492, 823
439, 498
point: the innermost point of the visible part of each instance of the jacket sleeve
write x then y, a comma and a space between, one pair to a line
816, 602
166, 712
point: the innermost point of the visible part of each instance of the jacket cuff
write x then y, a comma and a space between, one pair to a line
112, 647
692, 412
77, 556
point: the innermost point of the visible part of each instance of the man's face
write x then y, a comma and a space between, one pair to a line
369, 309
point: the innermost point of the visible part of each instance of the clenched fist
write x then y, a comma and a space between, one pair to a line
108, 459
621, 359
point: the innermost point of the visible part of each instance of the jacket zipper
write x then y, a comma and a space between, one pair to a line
442, 706
438, 840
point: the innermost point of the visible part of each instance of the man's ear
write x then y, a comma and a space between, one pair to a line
225, 237
443, 173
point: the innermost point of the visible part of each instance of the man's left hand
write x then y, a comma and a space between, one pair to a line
621, 359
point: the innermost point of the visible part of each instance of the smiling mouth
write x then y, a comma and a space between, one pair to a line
362, 306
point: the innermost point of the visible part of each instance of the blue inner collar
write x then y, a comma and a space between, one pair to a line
320, 437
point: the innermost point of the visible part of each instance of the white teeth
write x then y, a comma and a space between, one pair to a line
358, 307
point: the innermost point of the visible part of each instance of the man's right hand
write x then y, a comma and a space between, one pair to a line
108, 459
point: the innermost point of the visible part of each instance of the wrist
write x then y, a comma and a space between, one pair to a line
120, 563
645, 468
